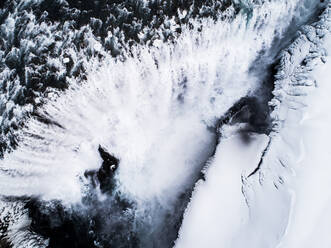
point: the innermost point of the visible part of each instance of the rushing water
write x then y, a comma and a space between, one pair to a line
148, 118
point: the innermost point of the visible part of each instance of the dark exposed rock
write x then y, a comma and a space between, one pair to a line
4, 243
94, 222
104, 177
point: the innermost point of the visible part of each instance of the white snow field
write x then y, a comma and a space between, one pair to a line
158, 112
286, 203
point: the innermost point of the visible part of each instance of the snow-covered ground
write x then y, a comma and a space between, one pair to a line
287, 202
218, 208
156, 111
310, 219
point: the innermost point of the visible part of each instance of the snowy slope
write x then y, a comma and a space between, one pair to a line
286, 201
128, 111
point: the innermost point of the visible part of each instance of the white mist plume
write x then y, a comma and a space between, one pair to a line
150, 111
